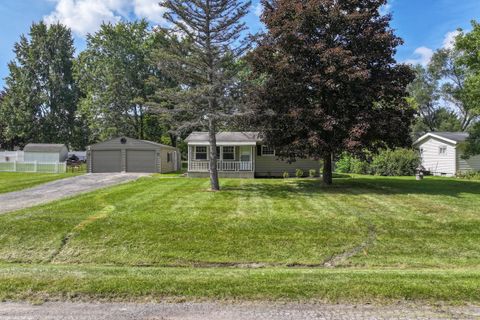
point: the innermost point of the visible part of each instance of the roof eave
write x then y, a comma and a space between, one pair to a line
433, 135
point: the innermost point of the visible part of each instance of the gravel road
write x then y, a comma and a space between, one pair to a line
62, 188
225, 311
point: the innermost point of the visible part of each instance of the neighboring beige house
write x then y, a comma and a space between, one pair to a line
125, 154
441, 154
240, 155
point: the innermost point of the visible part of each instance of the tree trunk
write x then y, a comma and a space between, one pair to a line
327, 169
173, 139
215, 186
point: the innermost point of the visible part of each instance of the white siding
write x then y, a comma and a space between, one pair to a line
42, 156
433, 161
471, 164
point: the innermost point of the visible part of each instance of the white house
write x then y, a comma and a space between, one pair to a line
441, 153
45, 152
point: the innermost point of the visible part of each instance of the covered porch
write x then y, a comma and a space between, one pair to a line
236, 158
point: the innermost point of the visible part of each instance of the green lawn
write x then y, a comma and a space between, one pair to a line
163, 236
14, 181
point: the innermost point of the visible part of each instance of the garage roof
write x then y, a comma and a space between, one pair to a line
127, 143
43, 147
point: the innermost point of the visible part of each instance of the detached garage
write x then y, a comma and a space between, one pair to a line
132, 155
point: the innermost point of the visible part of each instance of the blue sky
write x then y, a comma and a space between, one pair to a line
425, 25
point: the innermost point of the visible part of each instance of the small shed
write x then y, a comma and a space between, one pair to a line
126, 154
45, 152
441, 153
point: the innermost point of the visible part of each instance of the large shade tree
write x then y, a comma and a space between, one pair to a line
330, 82
469, 61
208, 37
40, 99
425, 96
116, 77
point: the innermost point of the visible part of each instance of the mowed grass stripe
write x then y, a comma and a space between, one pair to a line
43, 282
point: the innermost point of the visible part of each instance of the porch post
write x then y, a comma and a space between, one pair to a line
254, 154
189, 156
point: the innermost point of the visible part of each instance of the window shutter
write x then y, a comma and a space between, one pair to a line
259, 150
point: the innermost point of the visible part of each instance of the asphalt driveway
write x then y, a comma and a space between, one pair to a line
59, 189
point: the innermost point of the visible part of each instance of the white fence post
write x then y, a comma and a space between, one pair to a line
15, 166
35, 166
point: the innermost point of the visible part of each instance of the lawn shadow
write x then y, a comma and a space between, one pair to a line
290, 188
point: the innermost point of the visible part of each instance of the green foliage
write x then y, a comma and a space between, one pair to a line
471, 146
344, 164
469, 175
117, 77
286, 175
399, 162
40, 100
298, 173
312, 173
351, 164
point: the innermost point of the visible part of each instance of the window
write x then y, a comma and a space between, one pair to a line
200, 153
228, 153
169, 157
442, 150
267, 151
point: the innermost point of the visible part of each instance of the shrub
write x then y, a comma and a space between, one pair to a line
286, 175
299, 173
350, 164
469, 175
398, 162
360, 167
312, 173
344, 164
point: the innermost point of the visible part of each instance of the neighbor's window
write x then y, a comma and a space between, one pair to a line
267, 151
169, 157
200, 153
228, 153
442, 150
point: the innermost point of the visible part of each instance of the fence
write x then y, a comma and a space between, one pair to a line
8, 156
40, 167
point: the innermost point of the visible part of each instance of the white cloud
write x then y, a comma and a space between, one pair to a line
85, 16
258, 9
449, 41
150, 10
423, 55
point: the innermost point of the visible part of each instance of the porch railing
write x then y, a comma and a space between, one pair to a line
204, 166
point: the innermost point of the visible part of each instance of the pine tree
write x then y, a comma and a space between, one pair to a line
41, 96
208, 36
330, 80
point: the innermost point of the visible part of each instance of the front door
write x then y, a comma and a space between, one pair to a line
245, 158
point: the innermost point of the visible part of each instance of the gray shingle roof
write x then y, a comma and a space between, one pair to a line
43, 147
225, 137
455, 136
